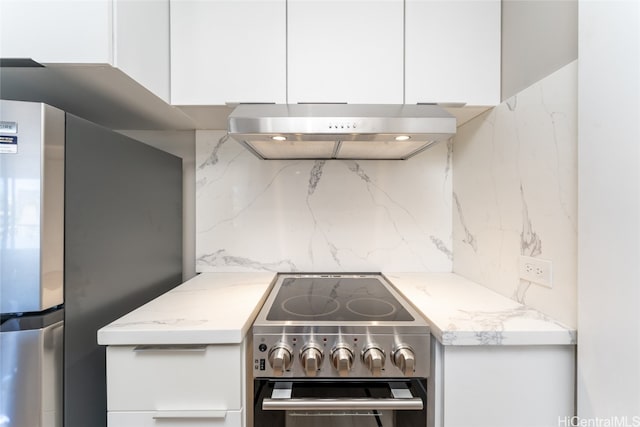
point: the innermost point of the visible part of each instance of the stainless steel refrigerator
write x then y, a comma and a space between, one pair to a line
90, 228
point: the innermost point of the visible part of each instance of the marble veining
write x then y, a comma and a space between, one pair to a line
468, 237
328, 215
530, 242
216, 308
161, 323
442, 247
211, 160
493, 324
211, 308
489, 337
461, 312
314, 176
530, 245
213, 157
515, 193
447, 169
520, 294
221, 257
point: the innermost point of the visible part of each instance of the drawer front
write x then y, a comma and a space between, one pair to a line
182, 378
175, 419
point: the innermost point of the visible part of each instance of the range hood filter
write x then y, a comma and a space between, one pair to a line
339, 131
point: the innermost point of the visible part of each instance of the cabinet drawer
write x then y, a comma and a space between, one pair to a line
175, 419
183, 378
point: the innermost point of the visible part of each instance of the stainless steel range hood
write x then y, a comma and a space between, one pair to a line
339, 131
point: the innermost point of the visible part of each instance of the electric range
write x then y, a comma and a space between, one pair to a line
339, 326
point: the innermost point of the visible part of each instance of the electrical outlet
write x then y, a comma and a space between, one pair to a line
536, 270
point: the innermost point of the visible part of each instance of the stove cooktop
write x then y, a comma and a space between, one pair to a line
338, 325
336, 299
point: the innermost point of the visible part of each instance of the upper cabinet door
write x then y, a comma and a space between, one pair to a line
226, 51
453, 51
345, 51
130, 35
52, 32
141, 43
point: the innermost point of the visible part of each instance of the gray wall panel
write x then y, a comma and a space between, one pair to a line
123, 247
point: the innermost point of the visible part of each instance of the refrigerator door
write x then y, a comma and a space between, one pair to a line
31, 206
31, 371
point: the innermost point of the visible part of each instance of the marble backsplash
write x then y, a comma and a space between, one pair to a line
515, 193
319, 216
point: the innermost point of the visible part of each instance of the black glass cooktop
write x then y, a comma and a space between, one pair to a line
336, 299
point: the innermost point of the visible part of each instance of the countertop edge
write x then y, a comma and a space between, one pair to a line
442, 299
231, 336
234, 332
483, 327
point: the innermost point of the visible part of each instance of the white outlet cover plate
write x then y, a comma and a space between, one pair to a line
536, 270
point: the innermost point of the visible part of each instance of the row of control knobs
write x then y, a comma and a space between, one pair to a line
342, 356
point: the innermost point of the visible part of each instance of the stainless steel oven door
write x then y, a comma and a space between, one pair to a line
340, 402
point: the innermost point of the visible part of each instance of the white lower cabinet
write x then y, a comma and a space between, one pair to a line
176, 385
501, 385
175, 419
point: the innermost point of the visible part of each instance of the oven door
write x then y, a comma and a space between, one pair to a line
340, 402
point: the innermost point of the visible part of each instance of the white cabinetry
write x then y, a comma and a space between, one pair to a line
453, 51
182, 385
345, 51
130, 35
501, 385
355, 51
228, 51
175, 419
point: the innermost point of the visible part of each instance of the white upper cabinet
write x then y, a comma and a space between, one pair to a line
226, 51
345, 51
130, 35
63, 31
141, 43
452, 51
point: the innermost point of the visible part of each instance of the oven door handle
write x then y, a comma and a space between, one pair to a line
281, 400
309, 404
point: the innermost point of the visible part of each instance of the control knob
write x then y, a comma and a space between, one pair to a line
342, 359
373, 358
311, 357
404, 358
280, 358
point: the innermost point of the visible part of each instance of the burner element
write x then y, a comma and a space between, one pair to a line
335, 299
371, 307
310, 305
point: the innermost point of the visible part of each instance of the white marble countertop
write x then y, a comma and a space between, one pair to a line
462, 312
211, 308
219, 308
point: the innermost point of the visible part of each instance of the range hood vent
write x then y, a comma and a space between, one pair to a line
339, 131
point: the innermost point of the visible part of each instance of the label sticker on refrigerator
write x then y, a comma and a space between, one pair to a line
8, 127
8, 144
